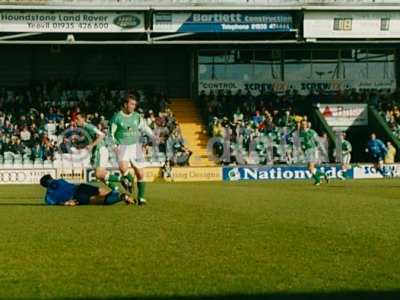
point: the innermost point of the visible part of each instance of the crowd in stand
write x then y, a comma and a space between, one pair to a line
39, 123
390, 110
243, 119
261, 129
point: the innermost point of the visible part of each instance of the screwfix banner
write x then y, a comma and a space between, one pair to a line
222, 22
34, 21
303, 87
369, 172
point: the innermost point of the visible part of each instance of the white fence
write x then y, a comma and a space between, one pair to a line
77, 159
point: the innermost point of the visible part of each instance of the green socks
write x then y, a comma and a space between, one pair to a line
140, 186
112, 181
129, 176
317, 176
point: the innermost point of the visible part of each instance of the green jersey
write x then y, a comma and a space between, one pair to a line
308, 139
126, 129
93, 132
346, 147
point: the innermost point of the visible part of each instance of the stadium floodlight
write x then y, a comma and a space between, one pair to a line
70, 38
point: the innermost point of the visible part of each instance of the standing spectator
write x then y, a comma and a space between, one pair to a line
237, 116
391, 153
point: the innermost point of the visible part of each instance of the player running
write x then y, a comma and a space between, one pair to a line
127, 126
61, 192
309, 143
377, 151
96, 146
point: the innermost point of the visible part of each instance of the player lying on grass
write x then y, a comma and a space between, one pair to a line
61, 192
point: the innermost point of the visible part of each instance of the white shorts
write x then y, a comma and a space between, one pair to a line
100, 159
311, 156
132, 154
346, 158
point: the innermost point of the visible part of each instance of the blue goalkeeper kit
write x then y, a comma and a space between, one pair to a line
59, 191
377, 149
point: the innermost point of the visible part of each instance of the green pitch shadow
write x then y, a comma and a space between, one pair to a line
351, 295
21, 204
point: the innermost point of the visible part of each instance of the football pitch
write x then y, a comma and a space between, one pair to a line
250, 240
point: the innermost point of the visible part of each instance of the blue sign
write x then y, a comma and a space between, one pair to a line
278, 173
223, 22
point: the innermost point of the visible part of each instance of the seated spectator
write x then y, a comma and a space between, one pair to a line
177, 153
25, 135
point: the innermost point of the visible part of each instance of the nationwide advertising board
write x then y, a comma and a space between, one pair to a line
277, 173
345, 115
74, 21
304, 87
369, 172
24, 176
222, 22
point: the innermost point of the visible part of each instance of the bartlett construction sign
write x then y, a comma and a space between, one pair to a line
11, 21
222, 22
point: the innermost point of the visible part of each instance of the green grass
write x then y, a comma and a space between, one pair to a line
283, 239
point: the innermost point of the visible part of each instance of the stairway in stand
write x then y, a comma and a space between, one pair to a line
193, 131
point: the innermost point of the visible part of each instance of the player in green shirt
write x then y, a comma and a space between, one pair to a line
309, 143
97, 148
346, 155
127, 127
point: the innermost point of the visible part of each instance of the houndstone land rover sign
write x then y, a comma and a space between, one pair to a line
71, 22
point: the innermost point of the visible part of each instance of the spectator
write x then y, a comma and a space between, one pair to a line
391, 154
25, 135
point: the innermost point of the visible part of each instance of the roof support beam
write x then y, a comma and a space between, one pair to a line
171, 36
144, 42
19, 35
